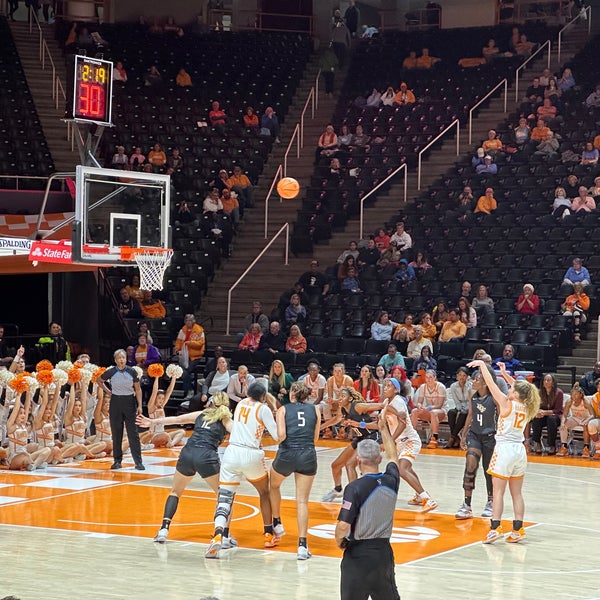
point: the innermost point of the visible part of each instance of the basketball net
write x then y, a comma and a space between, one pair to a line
152, 263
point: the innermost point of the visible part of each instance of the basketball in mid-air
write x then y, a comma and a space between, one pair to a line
288, 188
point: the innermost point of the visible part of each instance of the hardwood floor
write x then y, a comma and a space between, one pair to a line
84, 531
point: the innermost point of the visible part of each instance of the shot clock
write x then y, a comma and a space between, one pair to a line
92, 93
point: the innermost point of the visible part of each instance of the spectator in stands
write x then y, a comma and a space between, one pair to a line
487, 203
212, 203
425, 361
120, 160
216, 116
152, 77
593, 100
374, 98
576, 305
296, 342
549, 414
340, 40
594, 191
583, 202
183, 79
269, 124
482, 303
478, 158
251, 341
157, 158
382, 327
465, 290
231, 207
589, 379
540, 132
420, 264
144, 353
429, 328
487, 168
511, 363
295, 312
490, 50
546, 111
242, 186
119, 73
393, 358
134, 287
418, 343
561, 205
54, 347
280, 382
453, 330
352, 18
460, 393
390, 256
250, 119
464, 210
314, 381
152, 308
401, 237
549, 146
352, 250
468, 315
345, 267
388, 97
404, 96
493, 144
566, 81
406, 329
129, 307
175, 160
552, 92
314, 281
367, 386
327, 144
524, 47
405, 274
589, 155
521, 133
137, 159
410, 62
368, 256
344, 139
440, 314
528, 303
274, 340
256, 316
382, 240
535, 92
211, 363
237, 389
350, 283
368, 31
572, 186
430, 401
514, 40
190, 346
545, 77
425, 61
360, 141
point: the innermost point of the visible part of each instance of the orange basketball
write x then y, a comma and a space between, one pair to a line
288, 188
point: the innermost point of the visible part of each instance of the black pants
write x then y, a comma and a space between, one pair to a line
456, 421
123, 410
368, 570
551, 422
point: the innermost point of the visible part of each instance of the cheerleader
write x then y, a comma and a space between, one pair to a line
45, 425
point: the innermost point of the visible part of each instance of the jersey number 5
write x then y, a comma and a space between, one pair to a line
301, 419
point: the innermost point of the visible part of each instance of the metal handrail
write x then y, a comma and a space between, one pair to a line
588, 12
522, 66
278, 176
362, 200
454, 123
295, 136
18, 177
311, 96
503, 82
286, 227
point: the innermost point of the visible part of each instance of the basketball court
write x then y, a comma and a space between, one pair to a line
86, 530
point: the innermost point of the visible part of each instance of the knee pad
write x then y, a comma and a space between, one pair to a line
471, 470
224, 504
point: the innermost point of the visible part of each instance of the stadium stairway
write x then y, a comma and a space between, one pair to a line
40, 84
582, 358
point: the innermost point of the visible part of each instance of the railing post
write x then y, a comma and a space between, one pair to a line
273, 185
456, 123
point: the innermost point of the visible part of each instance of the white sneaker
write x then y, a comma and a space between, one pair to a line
229, 542
279, 530
331, 496
215, 546
464, 512
303, 553
487, 511
43, 465
161, 536
147, 446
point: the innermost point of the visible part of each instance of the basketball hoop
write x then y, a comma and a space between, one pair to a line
152, 263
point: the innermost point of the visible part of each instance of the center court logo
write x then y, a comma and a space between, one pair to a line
400, 535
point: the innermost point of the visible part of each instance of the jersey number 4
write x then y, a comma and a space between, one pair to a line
243, 414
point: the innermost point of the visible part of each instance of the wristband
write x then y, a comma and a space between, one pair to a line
363, 424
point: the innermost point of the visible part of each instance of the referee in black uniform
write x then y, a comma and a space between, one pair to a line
365, 523
125, 405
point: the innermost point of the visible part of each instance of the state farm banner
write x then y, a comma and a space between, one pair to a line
42, 251
10, 245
